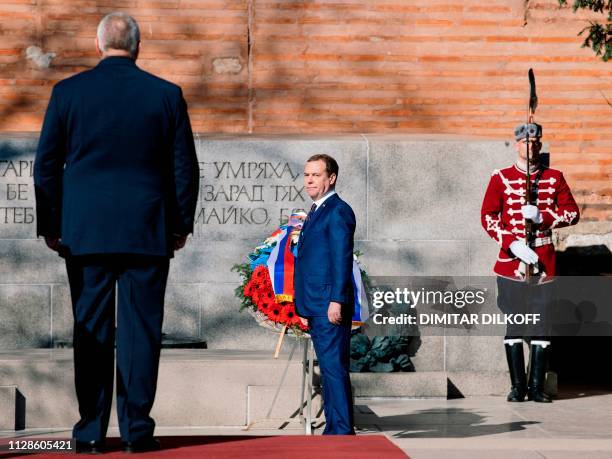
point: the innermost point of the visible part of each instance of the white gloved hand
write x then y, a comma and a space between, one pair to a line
520, 250
531, 212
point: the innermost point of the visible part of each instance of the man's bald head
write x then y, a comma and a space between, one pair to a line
119, 31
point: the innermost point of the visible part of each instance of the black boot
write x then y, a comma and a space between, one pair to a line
516, 365
537, 371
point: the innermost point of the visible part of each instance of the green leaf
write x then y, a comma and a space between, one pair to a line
599, 34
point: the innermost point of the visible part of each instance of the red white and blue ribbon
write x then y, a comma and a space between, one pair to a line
361, 312
281, 265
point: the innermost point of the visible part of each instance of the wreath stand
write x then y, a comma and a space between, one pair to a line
304, 417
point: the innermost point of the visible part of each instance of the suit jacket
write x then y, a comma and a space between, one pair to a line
324, 264
116, 169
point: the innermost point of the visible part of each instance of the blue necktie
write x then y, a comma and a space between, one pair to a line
312, 209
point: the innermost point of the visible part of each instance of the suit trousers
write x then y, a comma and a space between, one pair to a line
141, 283
332, 345
515, 297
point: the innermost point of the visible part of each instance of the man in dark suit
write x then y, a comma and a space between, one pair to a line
324, 288
116, 177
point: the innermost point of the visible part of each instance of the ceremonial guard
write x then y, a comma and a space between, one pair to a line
522, 205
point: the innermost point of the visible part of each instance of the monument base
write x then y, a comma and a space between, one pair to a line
217, 387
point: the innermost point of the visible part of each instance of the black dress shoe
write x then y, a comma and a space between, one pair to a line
141, 446
89, 447
517, 394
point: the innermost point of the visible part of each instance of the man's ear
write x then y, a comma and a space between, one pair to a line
332, 179
98, 50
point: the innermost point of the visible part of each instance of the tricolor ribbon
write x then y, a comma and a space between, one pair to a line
361, 313
281, 263
281, 266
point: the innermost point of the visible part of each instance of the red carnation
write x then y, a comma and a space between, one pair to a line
255, 294
274, 313
265, 306
287, 314
260, 272
296, 321
261, 284
248, 289
268, 295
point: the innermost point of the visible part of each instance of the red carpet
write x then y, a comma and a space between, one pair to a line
289, 446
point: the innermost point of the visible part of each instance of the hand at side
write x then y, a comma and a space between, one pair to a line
179, 241
334, 313
53, 243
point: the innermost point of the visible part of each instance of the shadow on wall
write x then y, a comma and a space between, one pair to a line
32, 63
50, 67
316, 95
9, 151
299, 72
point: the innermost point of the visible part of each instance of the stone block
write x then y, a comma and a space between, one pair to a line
200, 261
195, 387
45, 378
17, 201
25, 316
415, 258
483, 254
63, 320
475, 353
216, 396
429, 354
181, 314
30, 262
182, 311
285, 407
417, 384
429, 189
249, 185
479, 383
7, 407
225, 327
212, 387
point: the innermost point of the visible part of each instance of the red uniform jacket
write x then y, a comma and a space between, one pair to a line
502, 219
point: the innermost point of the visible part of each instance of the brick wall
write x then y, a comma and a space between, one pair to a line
338, 66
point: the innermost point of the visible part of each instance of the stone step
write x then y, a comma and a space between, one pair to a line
264, 413
427, 384
196, 387
12, 408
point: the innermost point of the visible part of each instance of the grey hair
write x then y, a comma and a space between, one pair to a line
119, 31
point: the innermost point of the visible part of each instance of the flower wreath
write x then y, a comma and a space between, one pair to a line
267, 281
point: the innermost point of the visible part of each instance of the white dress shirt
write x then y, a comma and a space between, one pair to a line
324, 198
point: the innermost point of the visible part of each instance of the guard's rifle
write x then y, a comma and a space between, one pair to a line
529, 232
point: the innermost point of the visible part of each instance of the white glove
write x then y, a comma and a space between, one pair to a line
532, 213
520, 250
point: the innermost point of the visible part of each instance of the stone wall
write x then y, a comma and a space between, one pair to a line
416, 198
341, 66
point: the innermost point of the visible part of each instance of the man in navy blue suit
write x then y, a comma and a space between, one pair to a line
324, 288
116, 178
